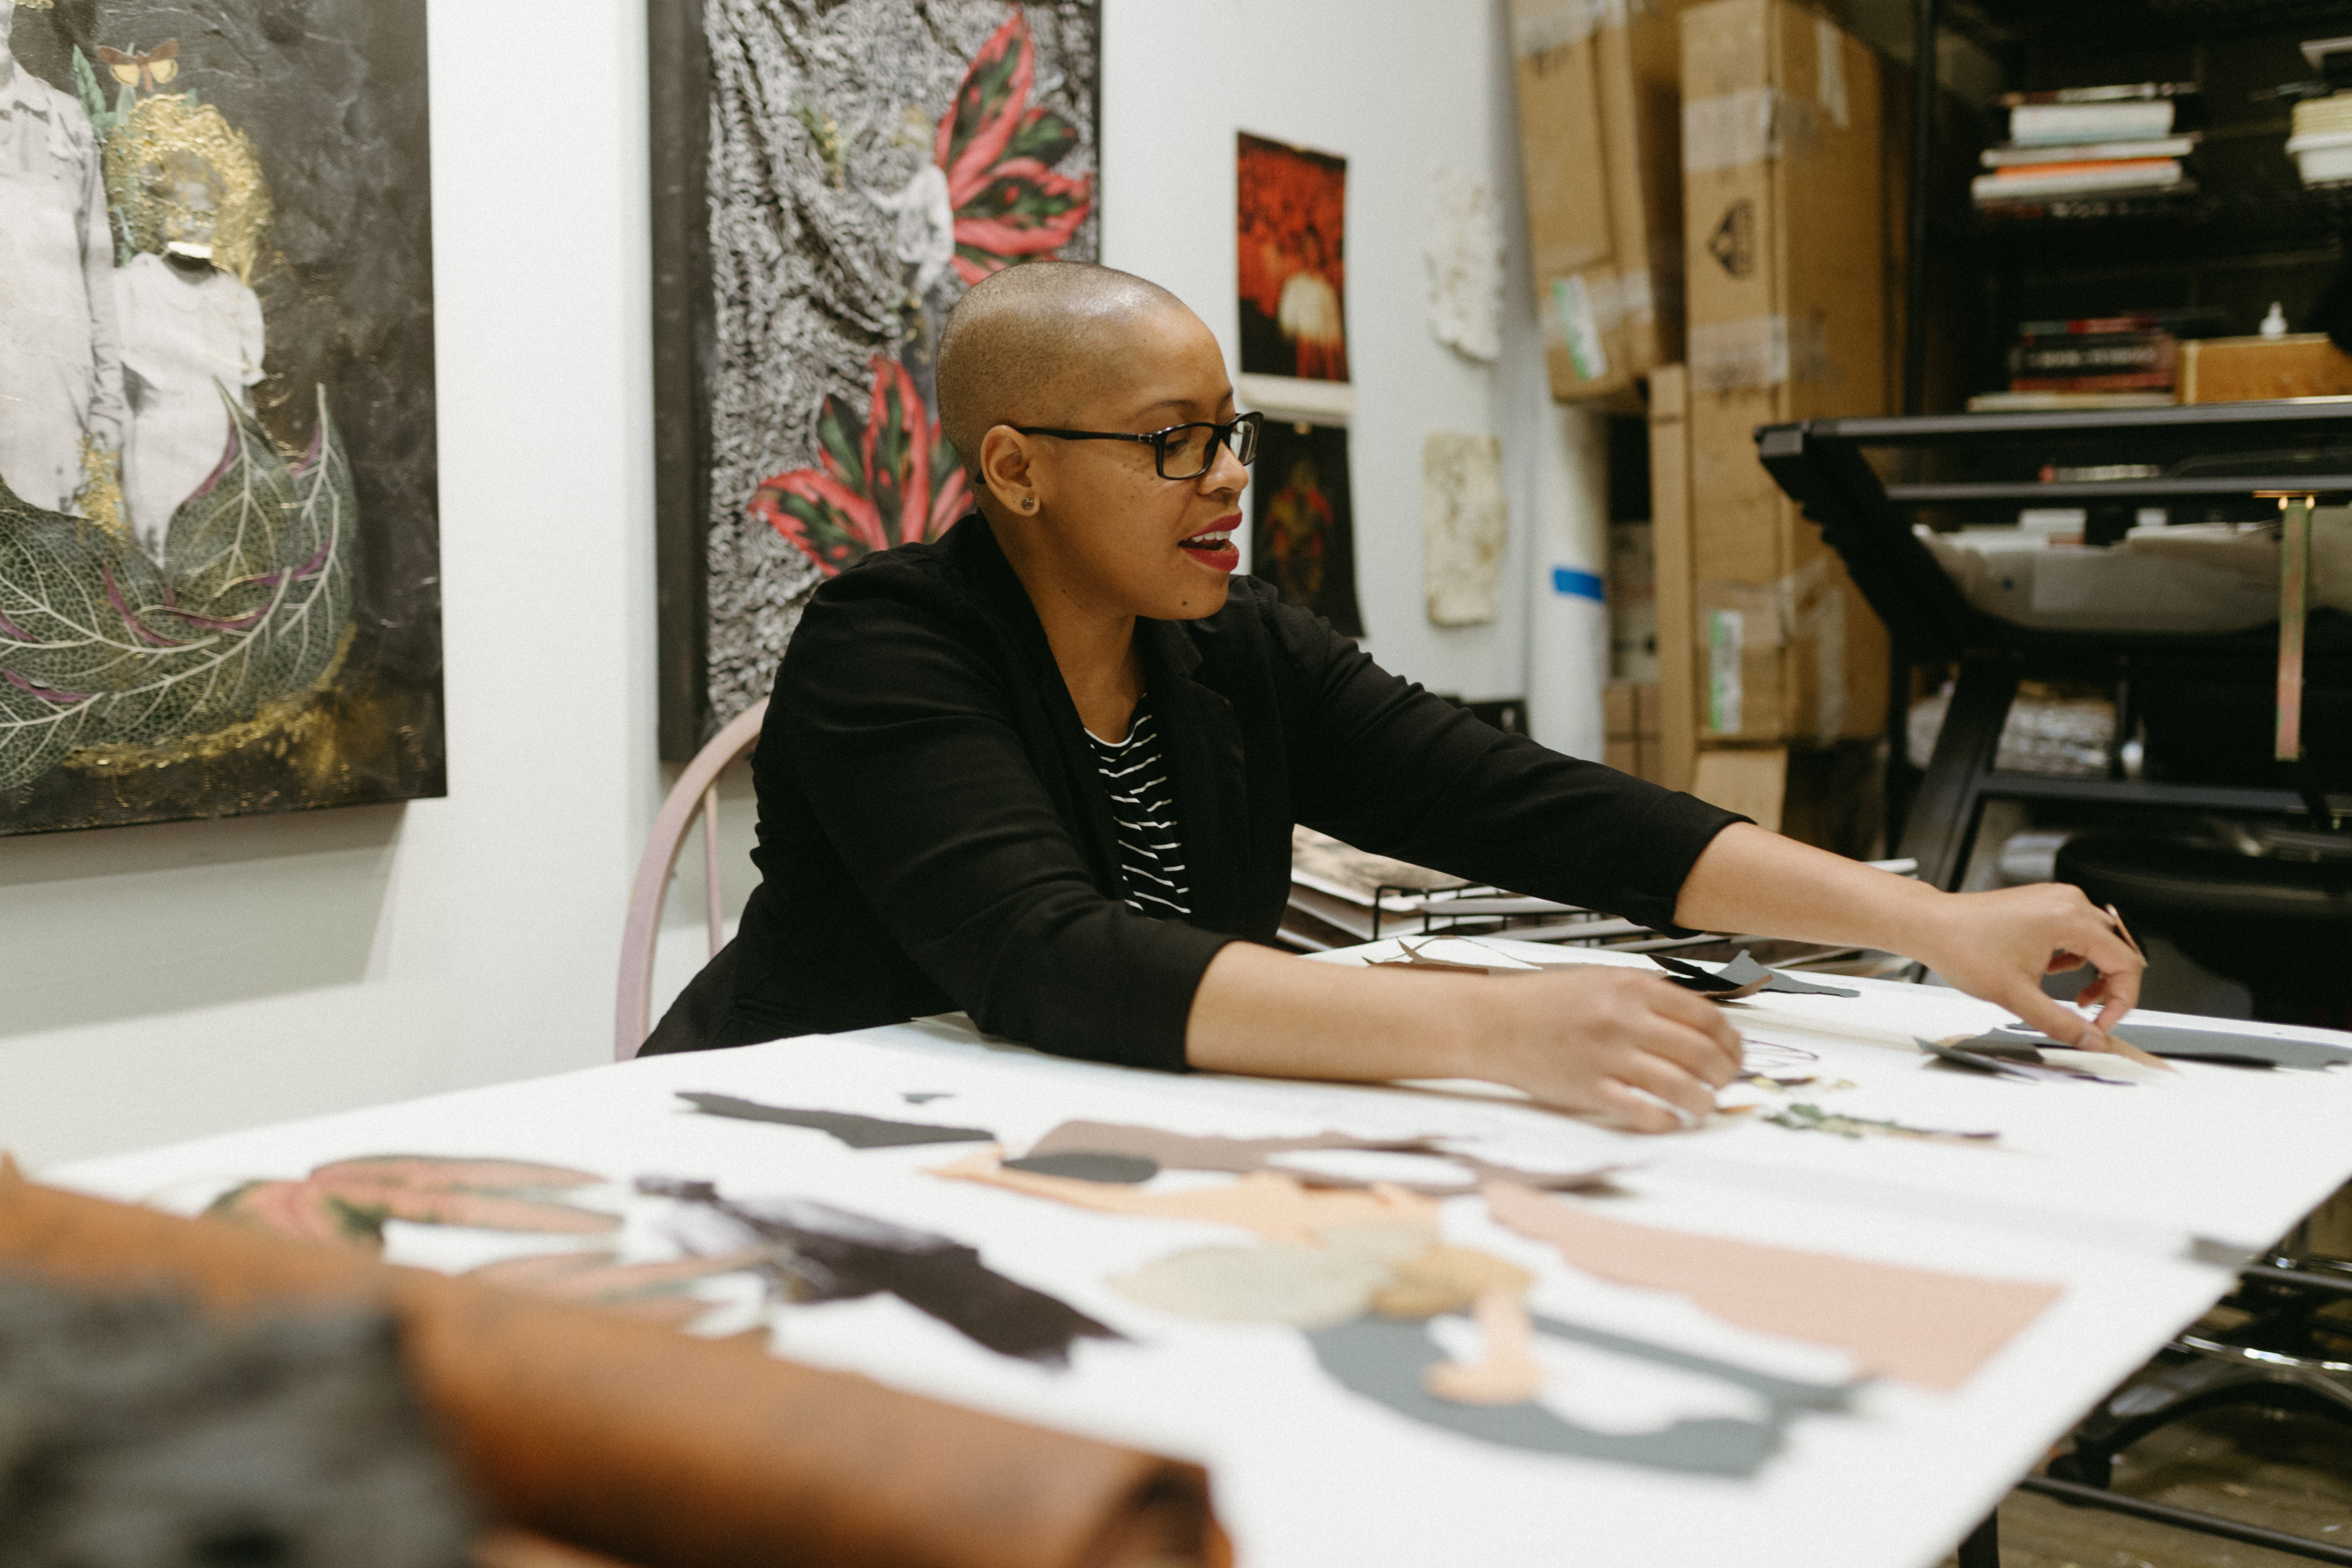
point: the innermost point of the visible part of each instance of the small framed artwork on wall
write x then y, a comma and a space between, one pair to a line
829, 177
1291, 231
219, 551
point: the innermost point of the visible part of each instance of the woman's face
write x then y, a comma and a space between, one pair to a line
1109, 532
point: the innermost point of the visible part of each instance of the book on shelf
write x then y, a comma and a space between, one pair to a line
2168, 203
2125, 361
2198, 322
2055, 402
2033, 181
2014, 155
2062, 124
2123, 92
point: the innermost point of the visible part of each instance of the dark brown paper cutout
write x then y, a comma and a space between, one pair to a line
857, 1132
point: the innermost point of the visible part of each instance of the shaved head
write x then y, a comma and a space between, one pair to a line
1030, 343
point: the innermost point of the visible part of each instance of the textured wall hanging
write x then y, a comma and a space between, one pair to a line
1464, 526
219, 554
829, 176
1465, 254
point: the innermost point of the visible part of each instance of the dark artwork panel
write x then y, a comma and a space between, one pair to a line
829, 177
1302, 523
1292, 227
219, 542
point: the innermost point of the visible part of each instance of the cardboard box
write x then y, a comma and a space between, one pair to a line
1599, 133
1785, 228
2245, 370
1629, 713
1670, 523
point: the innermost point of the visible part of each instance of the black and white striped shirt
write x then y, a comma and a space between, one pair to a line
1150, 860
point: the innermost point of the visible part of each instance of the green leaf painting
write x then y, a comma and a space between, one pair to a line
101, 646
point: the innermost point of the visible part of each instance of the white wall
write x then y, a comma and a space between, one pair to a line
161, 983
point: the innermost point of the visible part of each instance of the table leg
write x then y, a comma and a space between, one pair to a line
1943, 820
1982, 1548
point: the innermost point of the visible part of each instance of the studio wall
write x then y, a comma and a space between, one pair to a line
173, 981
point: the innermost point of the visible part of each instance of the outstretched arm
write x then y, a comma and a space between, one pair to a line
1996, 945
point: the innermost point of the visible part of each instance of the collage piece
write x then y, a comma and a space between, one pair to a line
1362, 1274
1802, 1116
2218, 1045
856, 1131
2010, 1059
1141, 1152
347, 1203
814, 1252
1919, 1326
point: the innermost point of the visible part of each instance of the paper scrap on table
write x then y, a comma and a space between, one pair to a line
347, 1202
820, 1253
2209, 1046
1919, 1326
857, 1132
1187, 1152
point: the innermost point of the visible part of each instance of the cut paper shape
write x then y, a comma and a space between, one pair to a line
1303, 1287
1187, 1152
1507, 1370
1745, 968
1447, 1279
924, 1097
857, 1132
1805, 1117
1392, 1362
346, 1203
1271, 1203
1713, 986
1918, 1326
659, 1291
819, 1253
2001, 1062
1085, 1165
2212, 1046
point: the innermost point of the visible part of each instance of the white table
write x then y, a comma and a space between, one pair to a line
2117, 1193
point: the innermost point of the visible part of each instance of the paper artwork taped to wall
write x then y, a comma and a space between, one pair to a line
1465, 255
830, 176
1302, 523
218, 548
1292, 230
1464, 526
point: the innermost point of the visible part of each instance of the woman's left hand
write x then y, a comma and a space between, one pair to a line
1998, 945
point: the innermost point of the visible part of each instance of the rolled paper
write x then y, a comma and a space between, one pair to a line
620, 1437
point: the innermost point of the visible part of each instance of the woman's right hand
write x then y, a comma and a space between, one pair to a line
1584, 1038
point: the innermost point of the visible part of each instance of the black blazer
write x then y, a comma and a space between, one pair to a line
934, 833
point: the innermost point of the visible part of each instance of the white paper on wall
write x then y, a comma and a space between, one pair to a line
1465, 265
1464, 525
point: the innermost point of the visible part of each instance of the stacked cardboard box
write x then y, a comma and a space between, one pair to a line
1785, 211
1630, 718
1600, 133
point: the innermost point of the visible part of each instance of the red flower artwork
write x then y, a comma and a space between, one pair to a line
889, 479
998, 154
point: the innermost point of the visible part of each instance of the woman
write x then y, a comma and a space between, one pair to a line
1046, 770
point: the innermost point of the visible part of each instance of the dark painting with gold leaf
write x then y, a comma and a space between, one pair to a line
219, 552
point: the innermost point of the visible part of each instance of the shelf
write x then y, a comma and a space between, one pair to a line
2145, 23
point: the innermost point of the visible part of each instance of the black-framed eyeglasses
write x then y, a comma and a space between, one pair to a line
1180, 451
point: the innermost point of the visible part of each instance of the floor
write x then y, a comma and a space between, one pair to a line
2292, 1474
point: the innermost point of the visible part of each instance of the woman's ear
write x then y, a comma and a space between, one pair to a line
1006, 468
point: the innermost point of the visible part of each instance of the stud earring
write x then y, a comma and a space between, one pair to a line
1028, 503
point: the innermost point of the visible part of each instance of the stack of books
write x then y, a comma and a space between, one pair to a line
2089, 152
2097, 361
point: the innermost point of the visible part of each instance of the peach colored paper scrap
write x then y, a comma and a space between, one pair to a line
1918, 1326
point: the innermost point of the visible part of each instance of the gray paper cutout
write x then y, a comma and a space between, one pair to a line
1993, 1054
924, 1097
1745, 968
2213, 1044
1088, 1165
857, 1132
1385, 1360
